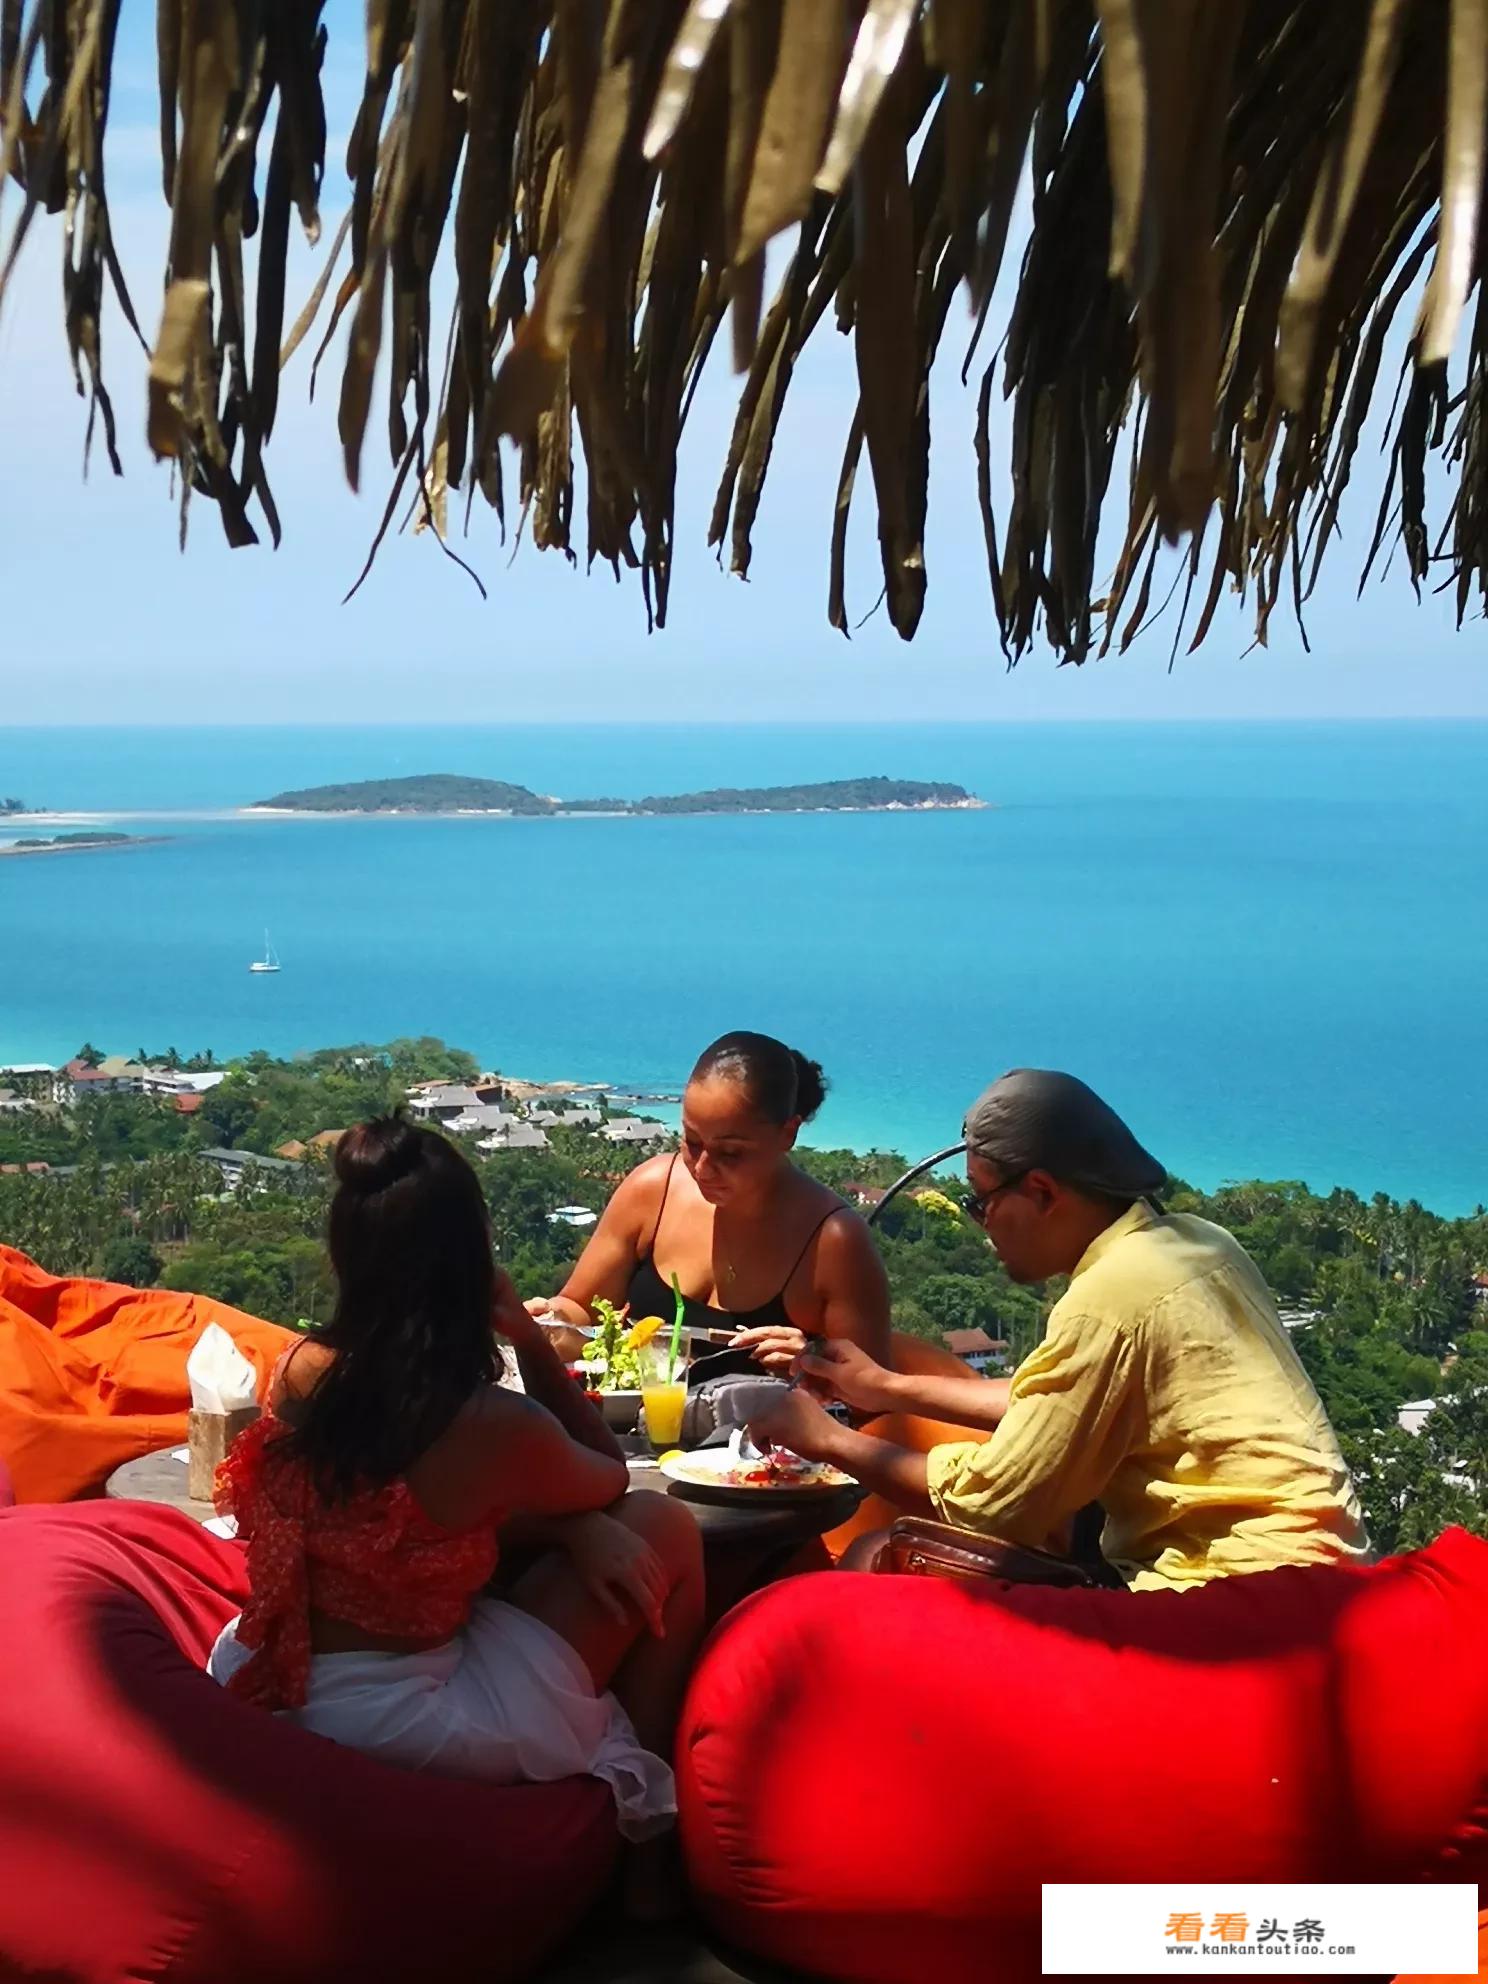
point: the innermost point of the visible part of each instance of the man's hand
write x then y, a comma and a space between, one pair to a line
798, 1423
618, 1569
840, 1370
776, 1346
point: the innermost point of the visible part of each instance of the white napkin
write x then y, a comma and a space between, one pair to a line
221, 1378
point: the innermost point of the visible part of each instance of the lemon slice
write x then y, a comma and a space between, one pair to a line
672, 1453
642, 1332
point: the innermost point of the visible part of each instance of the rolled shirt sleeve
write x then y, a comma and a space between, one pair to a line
1073, 1412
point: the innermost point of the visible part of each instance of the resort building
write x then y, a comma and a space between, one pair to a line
978, 1351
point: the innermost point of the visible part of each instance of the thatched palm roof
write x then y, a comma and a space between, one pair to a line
1232, 202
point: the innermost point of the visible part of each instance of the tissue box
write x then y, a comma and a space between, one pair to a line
208, 1437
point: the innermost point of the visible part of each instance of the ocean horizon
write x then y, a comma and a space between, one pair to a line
1266, 943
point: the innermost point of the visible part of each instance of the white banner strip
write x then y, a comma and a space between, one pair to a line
1247, 1929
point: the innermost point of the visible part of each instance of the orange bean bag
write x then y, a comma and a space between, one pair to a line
911, 1354
154, 1826
93, 1374
876, 1774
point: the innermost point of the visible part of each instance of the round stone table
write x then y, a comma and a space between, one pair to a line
157, 1477
161, 1477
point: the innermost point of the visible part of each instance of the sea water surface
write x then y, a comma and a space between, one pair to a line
1266, 944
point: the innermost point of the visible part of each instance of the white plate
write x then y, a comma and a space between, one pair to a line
704, 1472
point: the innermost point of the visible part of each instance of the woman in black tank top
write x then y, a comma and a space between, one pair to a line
757, 1248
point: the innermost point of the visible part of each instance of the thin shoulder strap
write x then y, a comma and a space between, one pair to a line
280, 1372
830, 1213
660, 1210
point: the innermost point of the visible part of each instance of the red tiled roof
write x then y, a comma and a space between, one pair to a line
188, 1104
972, 1343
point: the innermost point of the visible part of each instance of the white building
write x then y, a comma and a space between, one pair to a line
978, 1351
634, 1130
438, 1102
489, 1118
36, 1081
250, 1167
520, 1136
177, 1081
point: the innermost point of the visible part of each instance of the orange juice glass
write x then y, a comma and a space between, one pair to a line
662, 1397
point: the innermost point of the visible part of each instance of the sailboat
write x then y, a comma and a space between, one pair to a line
268, 962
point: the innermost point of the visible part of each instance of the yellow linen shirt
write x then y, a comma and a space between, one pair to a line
1167, 1389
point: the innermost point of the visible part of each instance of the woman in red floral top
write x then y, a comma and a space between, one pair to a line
374, 1496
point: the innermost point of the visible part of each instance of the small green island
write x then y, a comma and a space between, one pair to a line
443, 792
77, 843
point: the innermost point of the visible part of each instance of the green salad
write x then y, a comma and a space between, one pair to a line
613, 1366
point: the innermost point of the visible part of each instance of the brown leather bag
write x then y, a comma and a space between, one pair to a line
922, 1548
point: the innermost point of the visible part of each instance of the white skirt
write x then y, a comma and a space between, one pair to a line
507, 1700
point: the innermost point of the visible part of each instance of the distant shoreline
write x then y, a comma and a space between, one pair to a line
561, 812
111, 846
219, 815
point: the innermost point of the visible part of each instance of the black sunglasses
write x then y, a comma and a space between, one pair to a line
976, 1204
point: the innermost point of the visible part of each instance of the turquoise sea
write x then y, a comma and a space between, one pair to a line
1266, 944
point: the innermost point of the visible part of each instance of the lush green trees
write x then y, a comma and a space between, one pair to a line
227, 1112
39, 1136
131, 1259
284, 1279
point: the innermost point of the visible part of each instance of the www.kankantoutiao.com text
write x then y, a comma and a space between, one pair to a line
1259, 1949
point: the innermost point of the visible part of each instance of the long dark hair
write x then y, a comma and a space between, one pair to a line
779, 1080
411, 1248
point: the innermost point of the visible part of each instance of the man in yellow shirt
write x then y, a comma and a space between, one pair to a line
1165, 1386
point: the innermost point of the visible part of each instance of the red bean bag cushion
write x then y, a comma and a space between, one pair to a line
877, 1773
152, 1826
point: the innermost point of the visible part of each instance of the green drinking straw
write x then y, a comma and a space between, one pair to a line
676, 1343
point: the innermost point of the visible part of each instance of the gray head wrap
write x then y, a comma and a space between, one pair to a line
1033, 1119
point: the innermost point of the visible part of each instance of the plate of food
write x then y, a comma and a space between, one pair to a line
739, 1473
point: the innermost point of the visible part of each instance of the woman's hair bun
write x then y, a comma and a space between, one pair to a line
781, 1082
811, 1085
372, 1156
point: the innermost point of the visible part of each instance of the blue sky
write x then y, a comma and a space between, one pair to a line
107, 621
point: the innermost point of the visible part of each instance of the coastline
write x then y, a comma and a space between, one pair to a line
856, 1124
562, 812
86, 846
222, 815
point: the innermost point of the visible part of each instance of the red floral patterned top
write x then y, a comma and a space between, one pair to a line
375, 1561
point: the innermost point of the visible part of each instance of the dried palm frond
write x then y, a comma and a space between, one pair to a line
1231, 204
